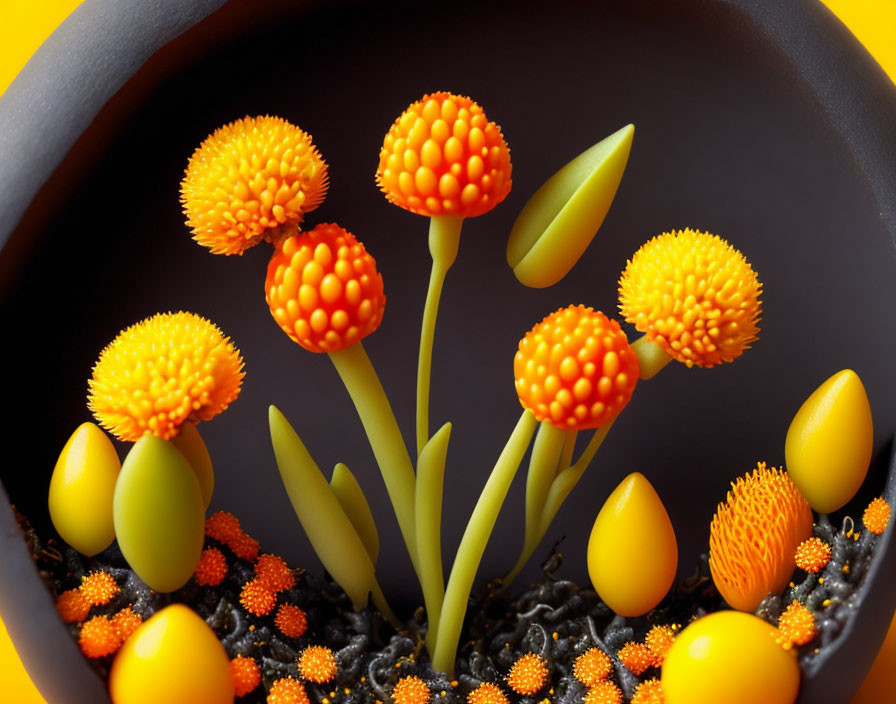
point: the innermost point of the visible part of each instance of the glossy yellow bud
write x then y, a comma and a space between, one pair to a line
730, 657
159, 515
829, 443
174, 657
191, 446
81, 489
632, 552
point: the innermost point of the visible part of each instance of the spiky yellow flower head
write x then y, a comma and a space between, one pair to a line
245, 673
796, 626
256, 598
324, 290
877, 516
126, 622
291, 621
487, 693
72, 606
410, 690
99, 588
98, 638
575, 369
443, 157
636, 657
604, 692
694, 294
287, 690
528, 675
249, 178
649, 692
161, 372
754, 536
812, 555
273, 572
317, 664
212, 568
592, 666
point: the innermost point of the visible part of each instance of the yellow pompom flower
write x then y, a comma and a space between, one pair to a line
754, 536
249, 178
796, 626
528, 675
876, 516
812, 555
162, 372
694, 294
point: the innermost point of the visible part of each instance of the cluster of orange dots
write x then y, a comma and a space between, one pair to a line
443, 157
411, 690
877, 516
796, 626
211, 569
649, 692
812, 555
256, 598
291, 621
487, 693
225, 528
324, 290
528, 675
99, 588
317, 664
102, 636
287, 690
273, 572
592, 666
658, 641
604, 692
575, 369
245, 673
636, 657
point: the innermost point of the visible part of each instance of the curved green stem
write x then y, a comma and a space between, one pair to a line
475, 538
444, 237
384, 435
651, 357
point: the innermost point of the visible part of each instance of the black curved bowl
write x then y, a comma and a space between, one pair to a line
767, 124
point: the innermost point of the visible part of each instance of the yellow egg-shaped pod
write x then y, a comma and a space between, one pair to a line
174, 657
191, 445
731, 657
81, 490
632, 552
159, 514
829, 442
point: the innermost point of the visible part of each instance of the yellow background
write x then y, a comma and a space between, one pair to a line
24, 24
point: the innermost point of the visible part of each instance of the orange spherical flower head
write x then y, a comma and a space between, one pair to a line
212, 568
443, 157
324, 290
274, 573
528, 675
592, 666
98, 637
247, 180
636, 657
291, 620
224, 527
487, 693
161, 372
754, 536
99, 588
649, 692
658, 641
287, 690
72, 606
877, 516
256, 598
575, 369
812, 555
694, 294
245, 547
604, 692
796, 626
126, 622
411, 690
245, 673
317, 664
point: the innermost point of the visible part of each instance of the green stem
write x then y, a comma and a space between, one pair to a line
444, 237
384, 436
569, 447
651, 357
475, 538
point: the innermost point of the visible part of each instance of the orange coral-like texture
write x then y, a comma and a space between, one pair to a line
487, 693
249, 178
72, 606
161, 372
291, 620
694, 294
98, 637
317, 664
754, 536
658, 641
99, 588
126, 622
411, 690
273, 572
604, 692
443, 157
649, 692
812, 555
877, 516
287, 690
528, 675
592, 666
636, 657
324, 290
796, 625
212, 568
256, 598
575, 369
245, 673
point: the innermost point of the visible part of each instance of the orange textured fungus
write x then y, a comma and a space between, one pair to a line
126, 622
528, 675
649, 692
72, 606
98, 637
291, 621
274, 573
411, 690
256, 598
317, 664
245, 673
604, 692
592, 666
812, 555
796, 626
658, 641
636, 657
287, 690
487, 693
212, 568
99, 588
223, 527
877, 516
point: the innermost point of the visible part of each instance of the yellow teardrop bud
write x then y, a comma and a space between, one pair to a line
174, 657
632, 552
191, 446
81, 489
829, 442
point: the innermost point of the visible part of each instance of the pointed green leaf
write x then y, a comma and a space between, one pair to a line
351, 497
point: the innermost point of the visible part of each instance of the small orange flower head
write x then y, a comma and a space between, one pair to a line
796, 626
291, 621
223, 527
812, 555
256, 598
649, 692
212, 568
592, 666
98, 638
245, 547
126, 622
604, 692
287, 690
694, 294
658, 641
443, 157
72, 606
411, 690
877, 516
317, 664
274, 573
324, 290
249, 178
487, 693
528, 675
754, 536
99, 588
161, 372
245, 673
575, 369
636, 657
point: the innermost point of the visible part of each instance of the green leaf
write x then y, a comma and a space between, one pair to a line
351, 497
